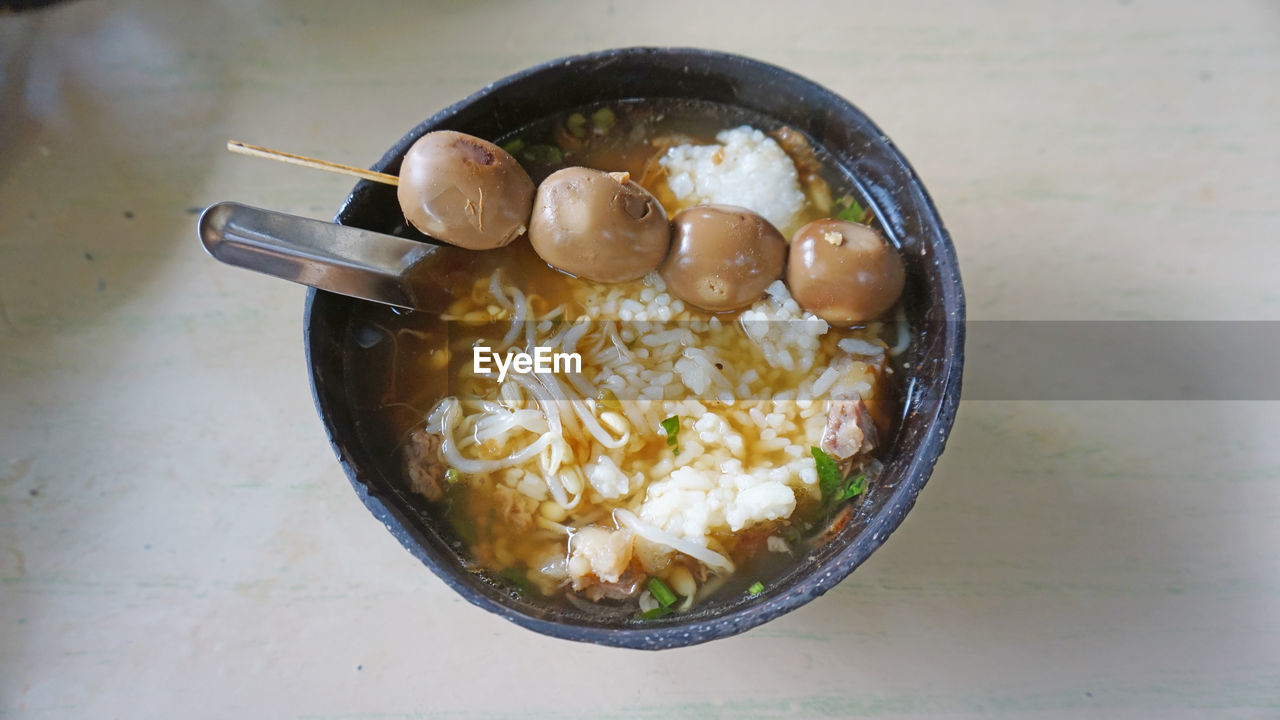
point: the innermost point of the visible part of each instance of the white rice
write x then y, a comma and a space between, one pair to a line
858, 346
747, 168
787, 335
743, 451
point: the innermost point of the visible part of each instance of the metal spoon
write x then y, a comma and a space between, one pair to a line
337, 258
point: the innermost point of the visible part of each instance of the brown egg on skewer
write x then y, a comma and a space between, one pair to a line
722, 257
454, 187
597, 225
464, 190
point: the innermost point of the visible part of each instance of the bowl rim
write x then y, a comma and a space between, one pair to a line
822, 577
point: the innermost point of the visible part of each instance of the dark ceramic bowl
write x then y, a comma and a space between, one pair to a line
934, 303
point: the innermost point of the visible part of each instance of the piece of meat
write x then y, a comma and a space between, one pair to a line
880, 405
749, 541
838, 523
627, 586
850, 429
601, 559
808, 167
514, 507
425, 467
800, 151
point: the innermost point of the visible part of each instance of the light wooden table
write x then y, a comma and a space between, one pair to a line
177, 540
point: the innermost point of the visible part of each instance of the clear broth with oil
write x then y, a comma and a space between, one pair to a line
402, 363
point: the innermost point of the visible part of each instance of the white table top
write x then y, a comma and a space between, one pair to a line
177, 539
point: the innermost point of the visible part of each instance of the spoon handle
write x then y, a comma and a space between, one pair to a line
338, 258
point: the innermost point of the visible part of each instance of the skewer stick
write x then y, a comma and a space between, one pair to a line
236, 146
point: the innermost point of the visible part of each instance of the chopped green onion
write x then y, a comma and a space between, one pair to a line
514, 146
855, 487
542, 154
603, 119
655, 613
834, 486
851, 210
608, 400
661, 592
576, 124
672, 427
452, 476
756, 588
828, 474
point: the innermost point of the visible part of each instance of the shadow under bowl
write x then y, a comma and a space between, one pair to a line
933, 301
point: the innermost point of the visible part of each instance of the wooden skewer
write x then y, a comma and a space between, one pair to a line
236, 146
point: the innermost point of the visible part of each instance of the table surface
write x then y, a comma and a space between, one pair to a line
177, 540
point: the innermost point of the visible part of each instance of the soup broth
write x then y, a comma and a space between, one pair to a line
681, 461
